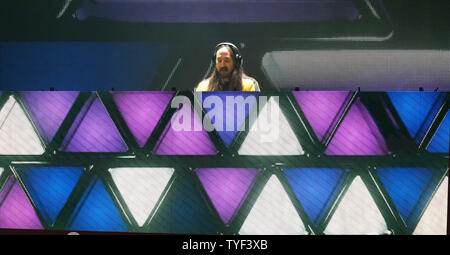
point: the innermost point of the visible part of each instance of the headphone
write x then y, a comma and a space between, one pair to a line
236, 55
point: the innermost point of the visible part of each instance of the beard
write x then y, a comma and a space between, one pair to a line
224, 75
224, 72
226, 80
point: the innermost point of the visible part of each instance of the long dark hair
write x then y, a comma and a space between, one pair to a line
235, 83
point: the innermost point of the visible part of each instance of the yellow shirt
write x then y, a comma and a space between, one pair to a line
247, 85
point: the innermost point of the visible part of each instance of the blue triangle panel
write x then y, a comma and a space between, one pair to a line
230, 115
409, 189
441, 139
417, 110
315, 188
183, 211
50, 187
96, 211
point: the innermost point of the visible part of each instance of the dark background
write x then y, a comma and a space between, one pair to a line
408, 25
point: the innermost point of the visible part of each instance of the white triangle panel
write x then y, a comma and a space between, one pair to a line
141, 188
434, 219
17, 135
271, 134
357, 213
273, 213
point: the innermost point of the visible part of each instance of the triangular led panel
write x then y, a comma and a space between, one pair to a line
183, 210
186, 139
417, 110
50, 187
273, 213
316, 188
358, 134
434, 219
357, 213
142, 111
93, 131
48, 109
16, 211
440, 142
227, 188
141, 188
96, 211
271, 134
321, 109
17, 135
217, 106
409, 189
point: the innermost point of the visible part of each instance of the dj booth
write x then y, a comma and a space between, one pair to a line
299, 162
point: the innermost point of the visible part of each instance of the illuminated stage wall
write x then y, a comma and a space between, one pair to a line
331, 162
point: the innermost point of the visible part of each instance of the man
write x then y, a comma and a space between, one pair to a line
227, 73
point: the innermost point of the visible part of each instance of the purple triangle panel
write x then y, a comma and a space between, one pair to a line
185, 142
48, 109
227, 188
16, 211
321, 109
93, 131
358, 134
142, 111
